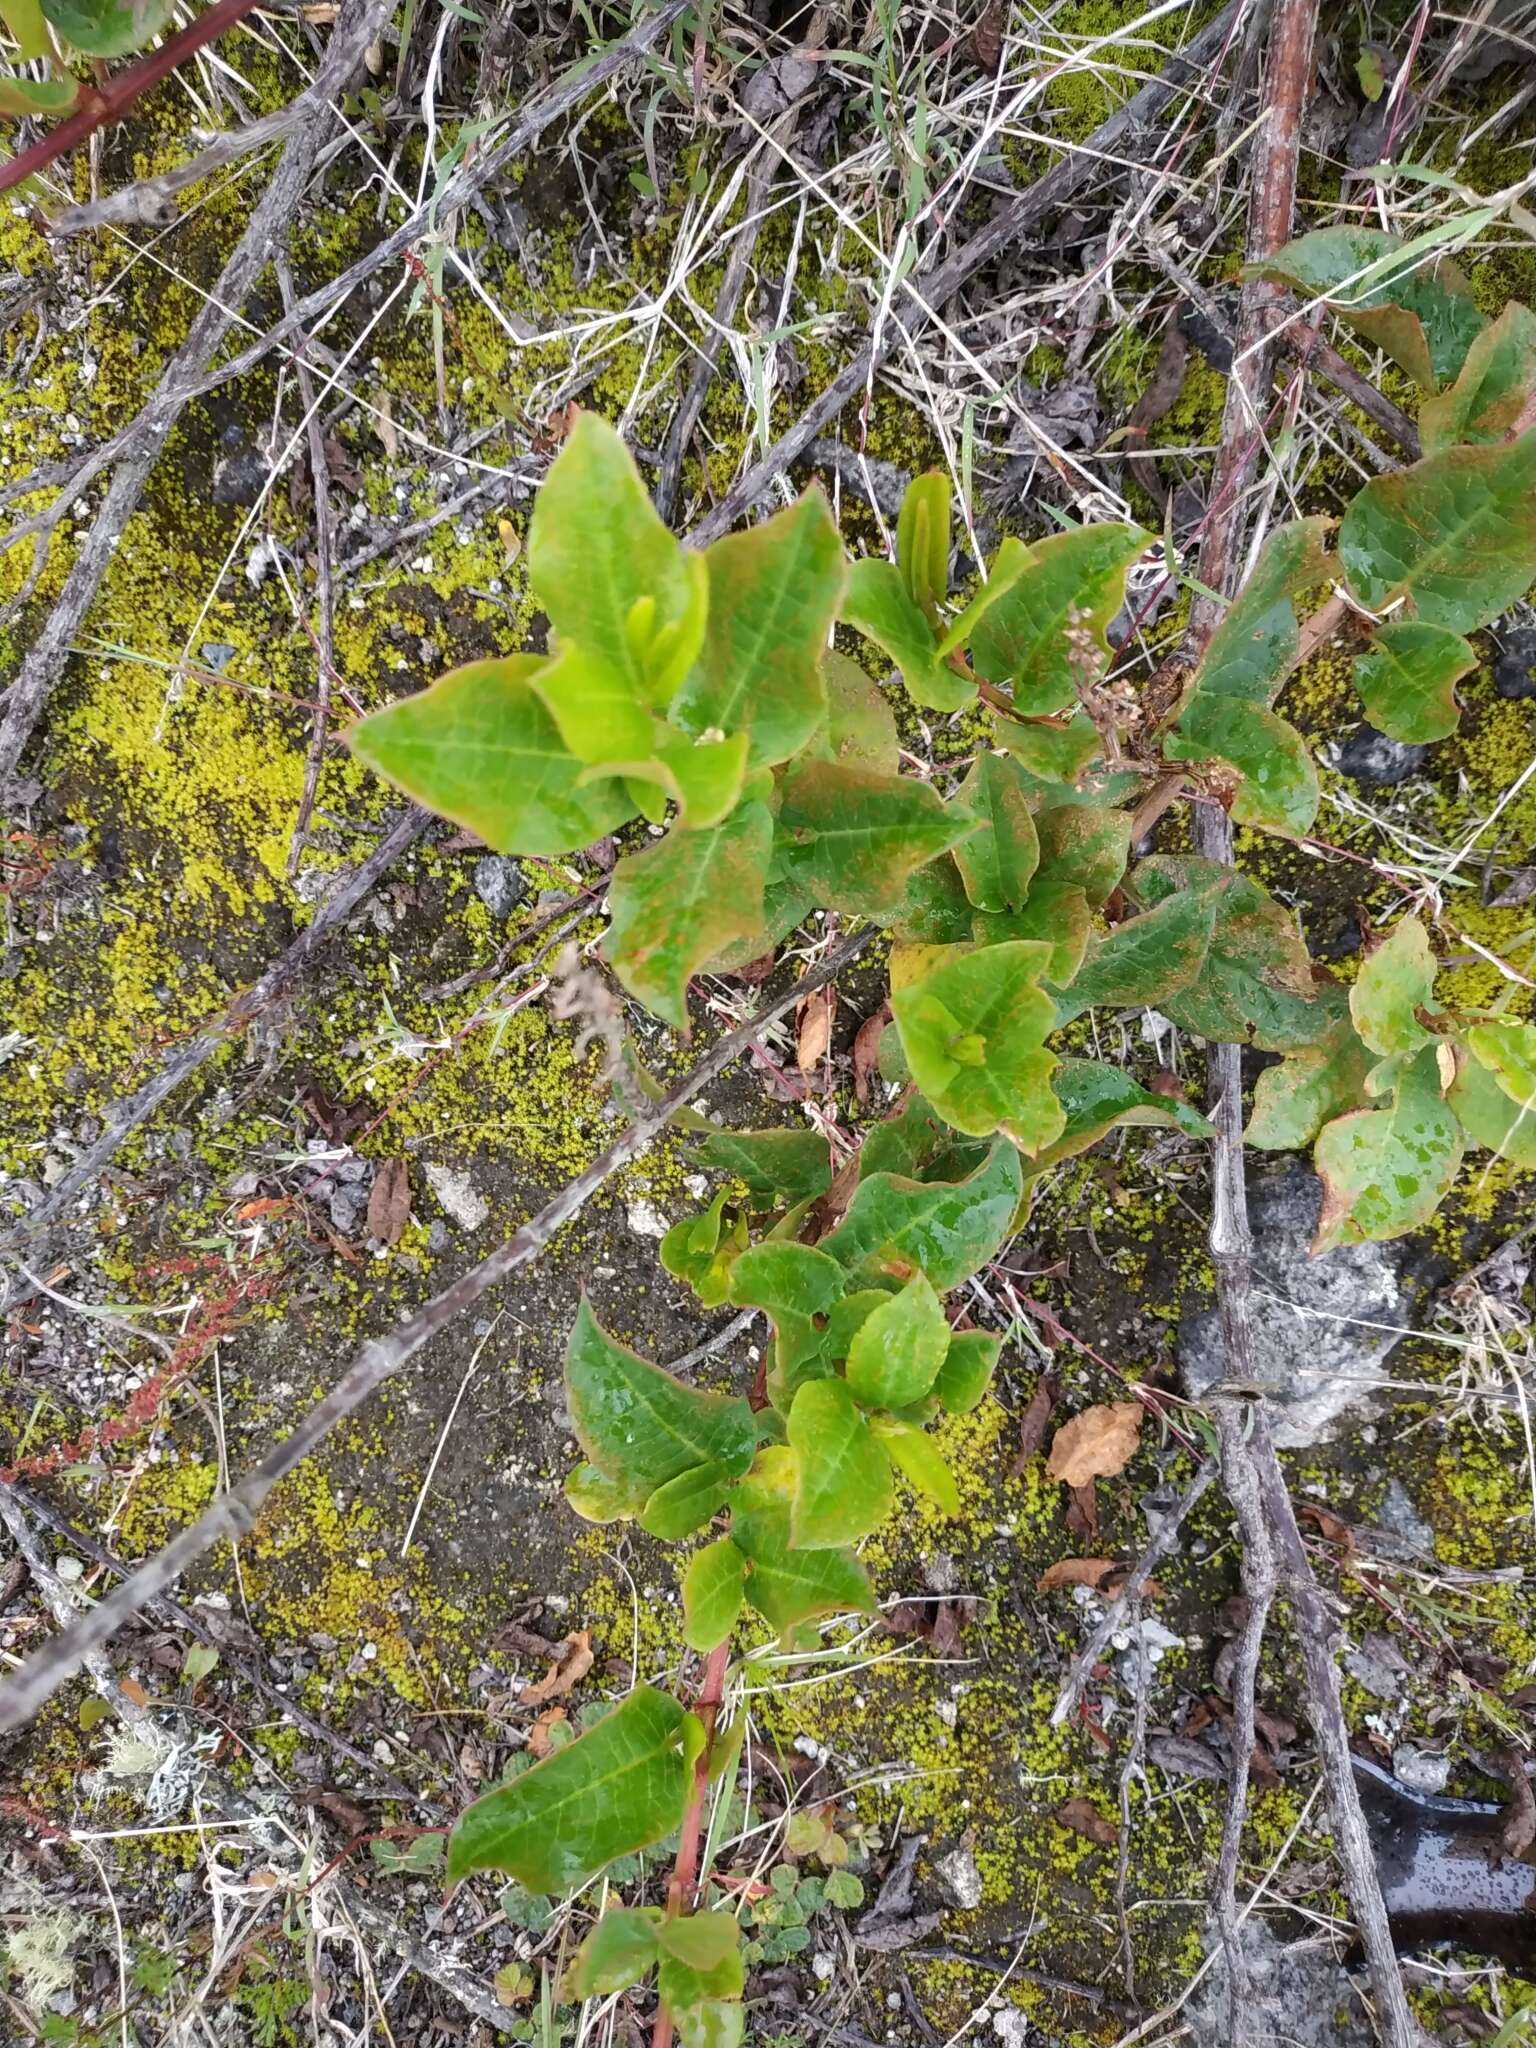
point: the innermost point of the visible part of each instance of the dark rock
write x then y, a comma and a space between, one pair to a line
240, 478
1372, 758
1322, 1327
500, 884
1514, 673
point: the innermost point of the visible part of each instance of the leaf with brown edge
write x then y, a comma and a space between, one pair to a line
1074, 1571
1496, 384
1385, 1171
389, 1202
853, 838
1096, 1444
675, 906
1084, 1818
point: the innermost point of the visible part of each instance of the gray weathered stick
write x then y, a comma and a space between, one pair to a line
234, 1514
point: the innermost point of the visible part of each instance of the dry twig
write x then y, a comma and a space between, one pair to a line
234, 1514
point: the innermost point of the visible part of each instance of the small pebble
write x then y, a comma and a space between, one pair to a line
1370, 757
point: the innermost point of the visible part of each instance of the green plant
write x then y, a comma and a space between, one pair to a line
701, 686
52, 34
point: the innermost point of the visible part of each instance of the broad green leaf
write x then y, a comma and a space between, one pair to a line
799, 1354
897, 1350
1056, 916
1096, 1097
1406, 677
855, 837
1083, 846
479, 747
946, 1229
609, 574
997, 861
919, 1461
1050, 751
974, 1035
1311, 1085
773, 596
601, 716
1254, 648
701, 2022
704, 2003
906, 1142
598, 1498
1278, 791
712, 1594
701, 1940
703, 778
1396, 981
31, 98
685, 1504
785, 905
784, 1585
1454, 536
922, 542
640, 1425
672, 907
619, 1951
108, 28
1044, 636
793, 1278
1419, 313
878, 604
1496, 384
693, 1250
28, 26
843, 1478
849, 1317
614, 1790
1491, 1118
1147, 959
1256, 985
861, 727
967, 1370
1385, 1171
935, 910
1508, 1050
1013, 558
779, 1168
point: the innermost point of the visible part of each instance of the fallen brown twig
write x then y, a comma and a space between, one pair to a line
234, 1514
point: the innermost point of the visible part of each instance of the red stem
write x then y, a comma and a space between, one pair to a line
685, 1872
99, 107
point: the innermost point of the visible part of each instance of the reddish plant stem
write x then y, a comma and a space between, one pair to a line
100, 106
685, 1872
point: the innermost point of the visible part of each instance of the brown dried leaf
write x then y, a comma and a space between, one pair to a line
389, 1202
1276, 1730
572, 1662
1521, 889
1034, 1422
813, 1028
984, 45
1073, 1571
866, 1051
1084, 1818
1330, 1526
1083, 1511
539, 1734
756, 971
1096, 1444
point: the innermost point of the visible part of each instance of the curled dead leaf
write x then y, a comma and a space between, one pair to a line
813, 1028
389, 1202
572, 1663
1034, 1422
1074, 1571
866, 1051
540, 1742
1083, 1511
1096, 1444
1084, 1818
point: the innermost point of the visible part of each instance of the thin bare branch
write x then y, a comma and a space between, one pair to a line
233, 1515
